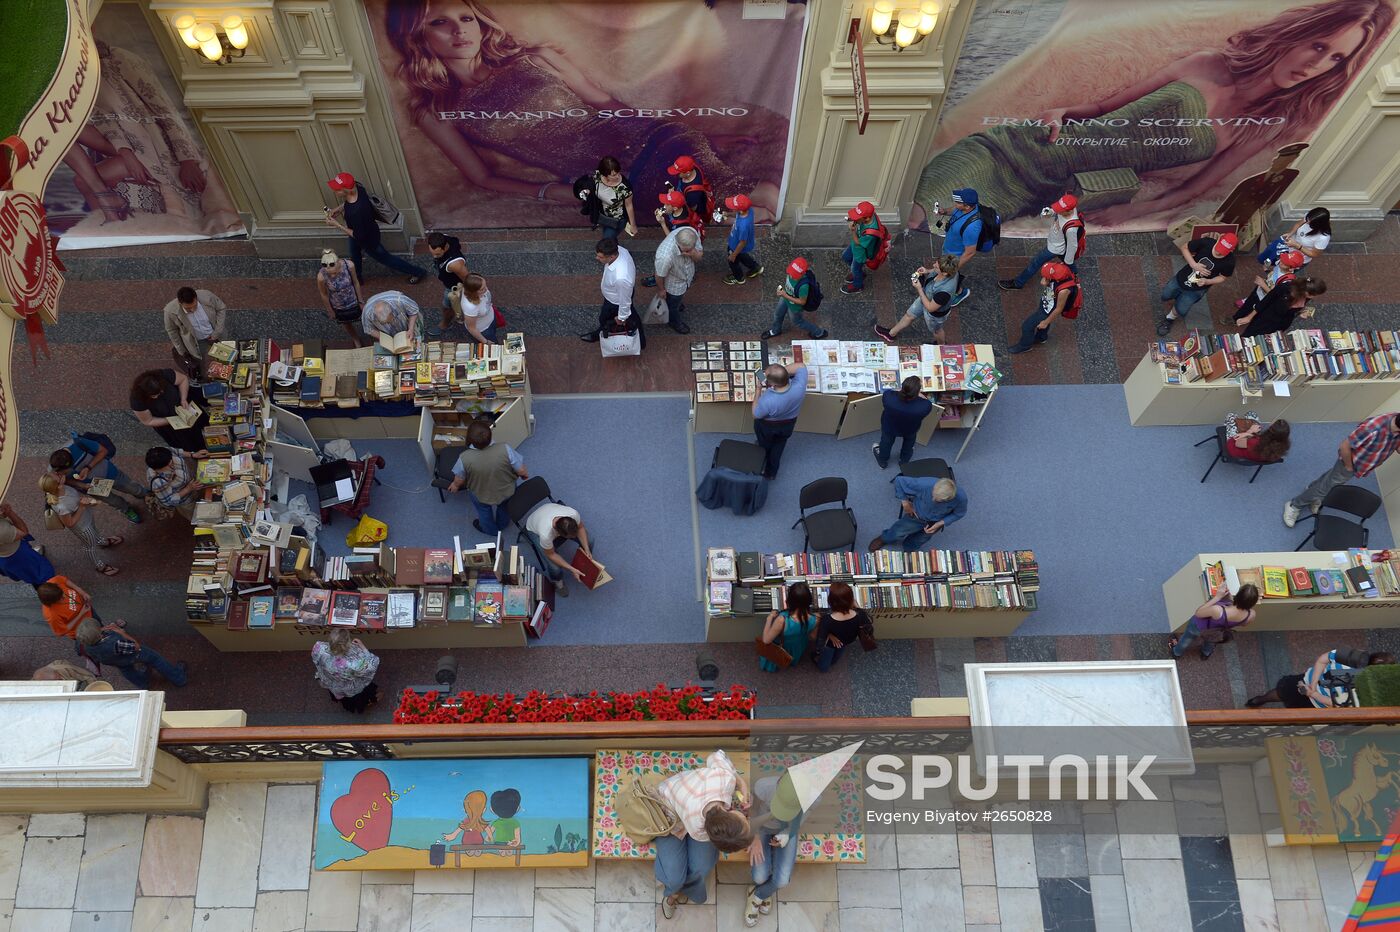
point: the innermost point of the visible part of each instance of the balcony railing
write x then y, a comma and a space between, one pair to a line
1208, 728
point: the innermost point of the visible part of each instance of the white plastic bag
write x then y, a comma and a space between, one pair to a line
340, 449
621, 344
657, 312
298, 513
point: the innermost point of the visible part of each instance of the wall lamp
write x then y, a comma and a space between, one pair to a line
221, 44
901, 29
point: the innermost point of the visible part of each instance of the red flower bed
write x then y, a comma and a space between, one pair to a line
659, 704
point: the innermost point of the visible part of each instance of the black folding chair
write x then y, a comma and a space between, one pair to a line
529, 495
1334, 532
1223, 455
442, 468
829, 528
739, 456
933, 467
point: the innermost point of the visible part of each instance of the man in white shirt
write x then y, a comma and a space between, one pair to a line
1064, 242
675, 270
549, 526
193, 321
619, 279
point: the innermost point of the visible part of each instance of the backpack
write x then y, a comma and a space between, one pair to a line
700, 184
814, 293
1071, 312
1078, 224
882, 251
990, 237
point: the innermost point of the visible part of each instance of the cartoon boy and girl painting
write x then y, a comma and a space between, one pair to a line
503, 830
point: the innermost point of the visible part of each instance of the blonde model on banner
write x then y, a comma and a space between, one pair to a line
1146, 111
500, 108
30, 273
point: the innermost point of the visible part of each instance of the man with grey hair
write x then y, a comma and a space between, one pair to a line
775, 410
675, 270
929, 506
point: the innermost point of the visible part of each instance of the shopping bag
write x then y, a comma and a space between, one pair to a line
368, 531
657, 312
621, 344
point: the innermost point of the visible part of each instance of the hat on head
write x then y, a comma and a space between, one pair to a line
965, 196
1055, 271
342, 182
328, 257
673, 199
861, 211
1228, 242
10, 538
738, 202
785, 804
683, 164
797, 268
1292, 259
1065, 204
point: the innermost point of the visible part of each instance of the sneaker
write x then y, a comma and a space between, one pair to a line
1018, 348
1008, 284
132, 515
960, 297
1316, 507
850, 278
770, 335
754, 274
849, 288
884, 333
561, 588
875, 448
649, 281
1290, 514
731, 280
823, 335
668, 906
1164, 326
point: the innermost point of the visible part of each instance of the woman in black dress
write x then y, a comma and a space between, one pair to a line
840, 626
155, 395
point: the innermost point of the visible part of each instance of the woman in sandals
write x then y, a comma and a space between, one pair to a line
74, 511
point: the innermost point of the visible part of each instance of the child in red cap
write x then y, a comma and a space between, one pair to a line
794, 294
742, 241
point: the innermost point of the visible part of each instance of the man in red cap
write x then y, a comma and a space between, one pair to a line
1064, 242
742, 241
793, 296
361, 225
698, 194
675, 212
1209, 261
1061, 298
862, 244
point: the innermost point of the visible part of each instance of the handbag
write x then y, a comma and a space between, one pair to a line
621, 344
159, 510
772, 653
867, 638
384, 210
657, 312
52, 522
641, 815
500, 319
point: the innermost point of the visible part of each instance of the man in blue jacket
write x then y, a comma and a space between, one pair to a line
929, 504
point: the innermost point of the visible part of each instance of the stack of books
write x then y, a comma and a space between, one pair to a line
1293, 356
726, 370
754, 583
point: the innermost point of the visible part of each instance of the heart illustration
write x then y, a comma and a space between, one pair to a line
364, 815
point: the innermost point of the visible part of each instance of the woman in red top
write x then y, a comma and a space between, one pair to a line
1260, 444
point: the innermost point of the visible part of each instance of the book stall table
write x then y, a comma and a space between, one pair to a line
1307, 376
927, 594
1287, 604
254, 585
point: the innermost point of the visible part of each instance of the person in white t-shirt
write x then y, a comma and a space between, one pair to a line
1311, 236
549, 526
478, 310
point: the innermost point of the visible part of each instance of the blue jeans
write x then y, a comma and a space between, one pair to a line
385, 257
906, 449
857, 268
1031, 333
610, 228
493, 518
908, 532
826, 655
1186, 638
141, 678
1184, 298
812, 329
488, 332
682, 864
776, 870
552, 569
1032, 269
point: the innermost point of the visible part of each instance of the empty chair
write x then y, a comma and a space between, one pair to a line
829, 528
926, 468
1334, 532
739, 456
1223, 455
442, 468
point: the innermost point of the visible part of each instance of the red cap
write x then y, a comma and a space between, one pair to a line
342, 182
1293, 259
673, 198
1055, 271
1065, 204
683, 164
861, 211
738, 202
1228, 242
797, 268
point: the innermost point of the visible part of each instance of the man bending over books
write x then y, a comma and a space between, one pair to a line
929, 506
549, 526
171, 476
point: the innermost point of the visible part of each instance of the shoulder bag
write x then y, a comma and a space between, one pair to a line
384, 210
773, 653
641, 814
867, 637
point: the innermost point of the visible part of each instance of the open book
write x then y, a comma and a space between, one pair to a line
401, 342
186, 415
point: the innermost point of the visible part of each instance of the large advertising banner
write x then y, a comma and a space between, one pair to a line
501, 108
139, 172
1147, 111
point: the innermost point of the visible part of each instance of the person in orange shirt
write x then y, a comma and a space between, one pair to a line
65, 605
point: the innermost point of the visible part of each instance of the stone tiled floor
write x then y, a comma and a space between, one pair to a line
1195, 859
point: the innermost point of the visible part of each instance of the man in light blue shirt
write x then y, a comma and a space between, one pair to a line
775, 411
930, 505
961, 235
